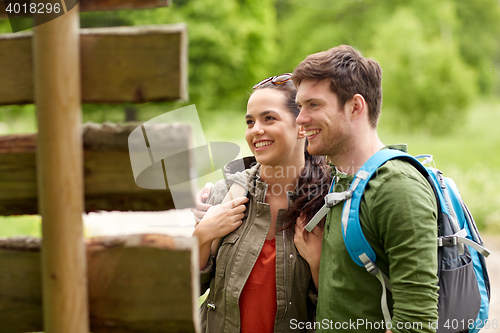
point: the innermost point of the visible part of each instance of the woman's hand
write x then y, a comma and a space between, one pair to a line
220, 220
309, 246
201, 206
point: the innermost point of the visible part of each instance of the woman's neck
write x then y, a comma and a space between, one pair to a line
281, 178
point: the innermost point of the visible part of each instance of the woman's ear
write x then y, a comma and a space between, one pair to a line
302, 133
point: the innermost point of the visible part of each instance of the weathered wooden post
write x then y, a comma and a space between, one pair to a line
77, 172
60, 173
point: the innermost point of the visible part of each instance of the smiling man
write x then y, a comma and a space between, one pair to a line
340, 98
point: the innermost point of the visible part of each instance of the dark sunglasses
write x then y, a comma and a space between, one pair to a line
279, 79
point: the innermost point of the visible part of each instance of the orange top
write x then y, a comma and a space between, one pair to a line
258, 298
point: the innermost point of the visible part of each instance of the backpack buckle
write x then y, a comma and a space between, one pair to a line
448, 240
371, 268
334, 198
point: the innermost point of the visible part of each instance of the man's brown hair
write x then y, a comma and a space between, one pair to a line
349, 73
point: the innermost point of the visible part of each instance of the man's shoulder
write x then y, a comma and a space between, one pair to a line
397, 181
398, 197
396, 170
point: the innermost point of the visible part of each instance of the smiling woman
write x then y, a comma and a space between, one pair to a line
270, 133
257, 260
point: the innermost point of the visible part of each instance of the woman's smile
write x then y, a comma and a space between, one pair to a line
262, 144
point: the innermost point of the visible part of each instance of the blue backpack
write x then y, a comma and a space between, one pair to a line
464, 286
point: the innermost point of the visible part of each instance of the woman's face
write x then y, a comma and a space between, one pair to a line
272, 133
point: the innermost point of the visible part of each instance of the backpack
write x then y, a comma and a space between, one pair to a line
464, 286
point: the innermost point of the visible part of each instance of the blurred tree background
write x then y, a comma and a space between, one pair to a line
441, 62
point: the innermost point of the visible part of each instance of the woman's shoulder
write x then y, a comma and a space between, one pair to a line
243, 178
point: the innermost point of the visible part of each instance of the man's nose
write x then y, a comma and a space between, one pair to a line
302, 118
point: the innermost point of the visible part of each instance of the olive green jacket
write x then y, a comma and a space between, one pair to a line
227, 274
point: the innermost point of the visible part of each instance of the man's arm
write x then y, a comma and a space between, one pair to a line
403, 217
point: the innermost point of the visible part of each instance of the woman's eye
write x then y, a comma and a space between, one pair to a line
250, 122
270, 118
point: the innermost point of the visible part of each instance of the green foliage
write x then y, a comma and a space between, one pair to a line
25, 225
426, 83
103, 19
477, 35
17, 119
468, 156
428, 78
231, 46
5, 27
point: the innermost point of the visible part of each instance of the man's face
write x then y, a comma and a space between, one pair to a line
323, 119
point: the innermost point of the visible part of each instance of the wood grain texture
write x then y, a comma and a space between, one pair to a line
16, 66
21, 285
118, 65
56, 61
108, 178
108, 5
137, 283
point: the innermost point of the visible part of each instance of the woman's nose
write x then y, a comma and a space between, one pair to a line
257, 129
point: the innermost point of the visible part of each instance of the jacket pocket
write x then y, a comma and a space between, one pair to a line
225, 252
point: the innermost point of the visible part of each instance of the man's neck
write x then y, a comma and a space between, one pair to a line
361, 150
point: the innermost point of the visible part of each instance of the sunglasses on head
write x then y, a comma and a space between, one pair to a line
278, 79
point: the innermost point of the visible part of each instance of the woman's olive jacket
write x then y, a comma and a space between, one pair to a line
227, 274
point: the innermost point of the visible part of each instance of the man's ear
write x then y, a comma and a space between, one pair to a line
357, 107
302, 133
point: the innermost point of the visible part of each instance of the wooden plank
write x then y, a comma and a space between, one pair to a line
118, 65
21, 285
107, 5
109, 181
138, 283
16, 66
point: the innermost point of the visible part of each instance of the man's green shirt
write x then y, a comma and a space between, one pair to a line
398, 218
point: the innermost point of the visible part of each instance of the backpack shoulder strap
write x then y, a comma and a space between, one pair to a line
358, 247
354, 239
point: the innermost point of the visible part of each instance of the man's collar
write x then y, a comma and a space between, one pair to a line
399, 146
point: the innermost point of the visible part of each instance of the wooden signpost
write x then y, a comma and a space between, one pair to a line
57, 67
118, 65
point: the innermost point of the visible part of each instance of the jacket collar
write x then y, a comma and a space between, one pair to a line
246, 172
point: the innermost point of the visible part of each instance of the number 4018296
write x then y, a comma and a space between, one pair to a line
471, 323
33, 8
